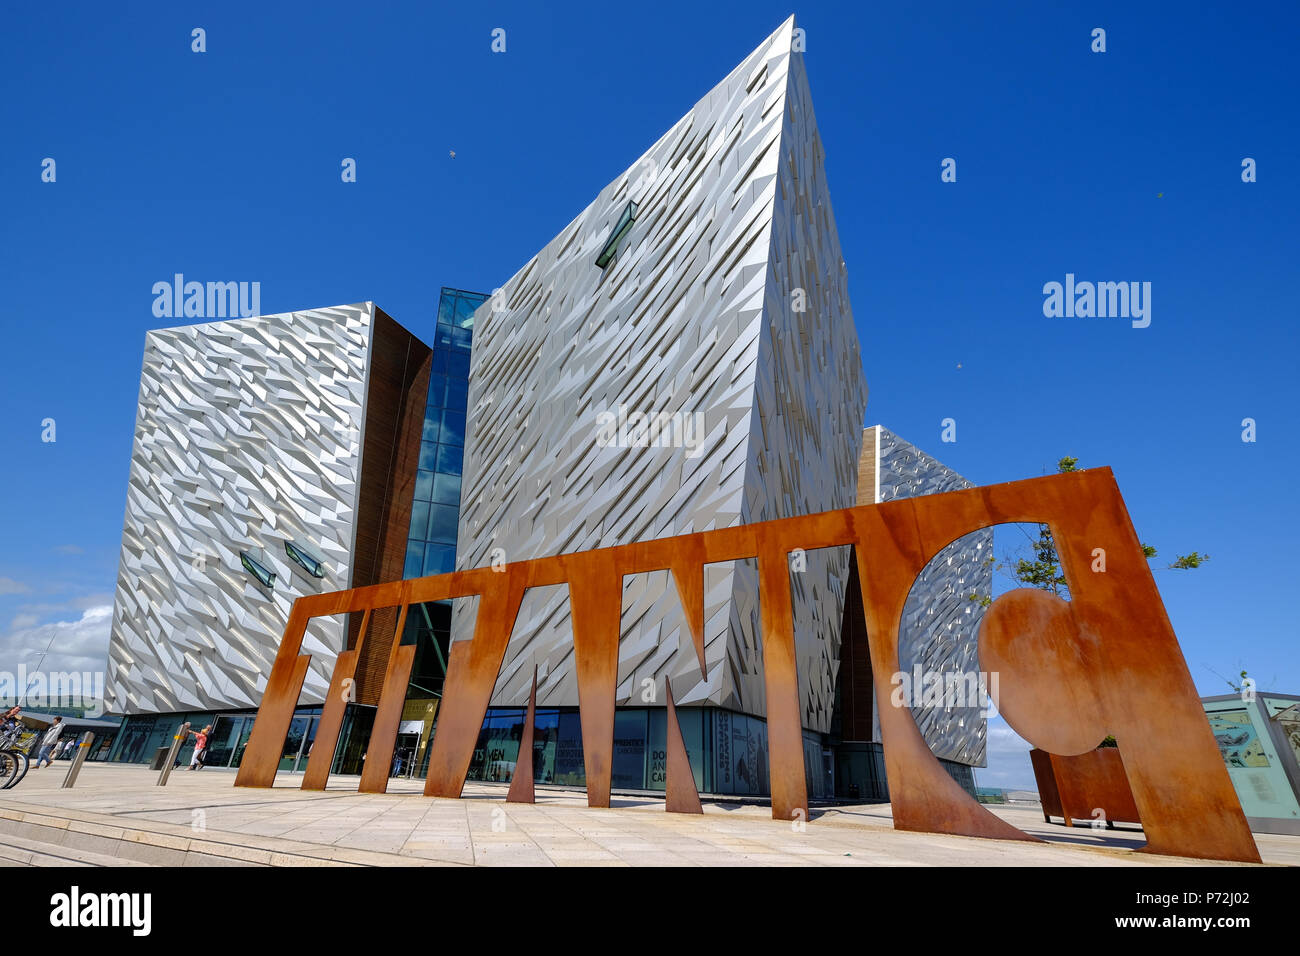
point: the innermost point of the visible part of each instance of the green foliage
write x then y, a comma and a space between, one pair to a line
1108, 742
1044, 571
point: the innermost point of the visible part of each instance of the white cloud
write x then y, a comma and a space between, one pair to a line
1007, 758
10, 586
61, 608
80, 645
88, 601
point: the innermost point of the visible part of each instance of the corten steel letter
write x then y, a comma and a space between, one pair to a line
1137, 687
261, 757
680, 794
923, 796
1071, 672
1105, 662
317, 775
388, 712
784, 723
521, 781
472, 668
266, 743
596, 604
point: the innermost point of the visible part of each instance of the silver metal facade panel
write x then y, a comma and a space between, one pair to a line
247, 435
696, 316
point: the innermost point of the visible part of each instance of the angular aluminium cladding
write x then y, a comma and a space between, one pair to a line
248, 435
727, 300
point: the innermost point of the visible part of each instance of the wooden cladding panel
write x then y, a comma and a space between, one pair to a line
395, 401
867, 466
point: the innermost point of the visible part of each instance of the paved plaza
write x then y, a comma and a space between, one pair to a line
116, 815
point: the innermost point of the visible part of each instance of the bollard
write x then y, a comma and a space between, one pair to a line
182, 734
82, 750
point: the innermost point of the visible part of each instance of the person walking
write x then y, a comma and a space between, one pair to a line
200, 748
49, 741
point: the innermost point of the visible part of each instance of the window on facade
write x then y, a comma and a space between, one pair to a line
305, 560
621, 229
257, 570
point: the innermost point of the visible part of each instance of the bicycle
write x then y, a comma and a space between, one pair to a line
13, 767
14, 763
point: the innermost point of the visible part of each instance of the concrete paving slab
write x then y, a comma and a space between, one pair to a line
116, 812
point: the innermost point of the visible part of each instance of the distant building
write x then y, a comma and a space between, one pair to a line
1021, 796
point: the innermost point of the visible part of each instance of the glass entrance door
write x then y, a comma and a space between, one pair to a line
297, 743
312, 724
225, 739
293, 743
404, 755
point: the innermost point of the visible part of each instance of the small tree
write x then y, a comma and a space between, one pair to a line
1042, 567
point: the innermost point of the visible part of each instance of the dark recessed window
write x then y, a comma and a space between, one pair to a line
266, 576
621, 229
305, 560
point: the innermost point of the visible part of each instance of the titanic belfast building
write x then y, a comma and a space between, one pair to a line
682, 356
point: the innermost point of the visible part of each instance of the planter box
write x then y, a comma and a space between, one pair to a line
1073, 788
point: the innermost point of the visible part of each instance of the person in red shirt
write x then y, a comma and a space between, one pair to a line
200, 747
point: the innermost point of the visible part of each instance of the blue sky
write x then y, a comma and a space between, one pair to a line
1123, 165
